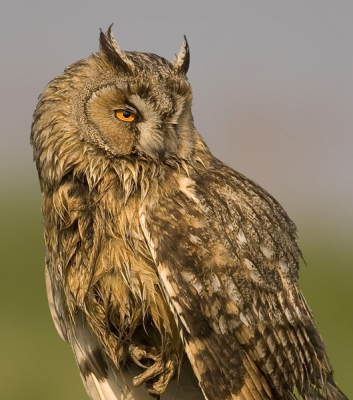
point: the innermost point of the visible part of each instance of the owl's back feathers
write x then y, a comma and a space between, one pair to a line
232, 286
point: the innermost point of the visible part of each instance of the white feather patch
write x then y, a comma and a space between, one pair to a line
54, 305
186, 185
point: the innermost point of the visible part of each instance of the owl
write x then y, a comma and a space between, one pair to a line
171, 275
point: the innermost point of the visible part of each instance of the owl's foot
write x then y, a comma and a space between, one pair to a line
139, 352
162, 367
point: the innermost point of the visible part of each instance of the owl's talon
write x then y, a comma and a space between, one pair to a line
162, 367
138, 352
137, 362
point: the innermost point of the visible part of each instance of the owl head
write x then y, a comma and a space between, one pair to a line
116, 103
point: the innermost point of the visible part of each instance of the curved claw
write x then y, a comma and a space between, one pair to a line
138, 352
137, 362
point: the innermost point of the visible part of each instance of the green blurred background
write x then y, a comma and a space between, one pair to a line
273, 96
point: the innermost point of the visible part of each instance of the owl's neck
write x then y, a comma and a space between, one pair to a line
90, 172
135, 178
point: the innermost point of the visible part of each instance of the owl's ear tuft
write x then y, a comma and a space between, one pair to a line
109, 47
181, 61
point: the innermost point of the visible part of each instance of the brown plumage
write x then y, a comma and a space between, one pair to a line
164, 266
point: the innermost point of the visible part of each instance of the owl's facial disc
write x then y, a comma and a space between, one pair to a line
103, 110
127, 122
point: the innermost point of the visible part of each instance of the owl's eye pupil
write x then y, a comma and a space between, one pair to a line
126, 114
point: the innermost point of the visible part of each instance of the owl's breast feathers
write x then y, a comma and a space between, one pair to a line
207, 256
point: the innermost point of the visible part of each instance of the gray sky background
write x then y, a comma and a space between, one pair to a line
273, 98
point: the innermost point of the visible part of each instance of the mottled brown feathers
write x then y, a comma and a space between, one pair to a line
159, 256
233, 286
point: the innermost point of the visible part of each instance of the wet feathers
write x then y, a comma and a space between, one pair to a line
164, 266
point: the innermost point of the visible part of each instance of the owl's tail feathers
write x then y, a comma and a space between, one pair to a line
328, 391
334, 392
99, 390
101, 382
94, 370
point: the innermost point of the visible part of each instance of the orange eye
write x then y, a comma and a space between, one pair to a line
125, 115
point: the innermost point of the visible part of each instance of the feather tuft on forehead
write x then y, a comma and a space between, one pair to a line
181, 61
110, 48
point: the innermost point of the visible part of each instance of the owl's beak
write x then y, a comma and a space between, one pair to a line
161, 153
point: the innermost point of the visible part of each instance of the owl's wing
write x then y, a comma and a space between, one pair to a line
227, 259
101, 379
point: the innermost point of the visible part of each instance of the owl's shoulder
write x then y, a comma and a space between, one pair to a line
215, 204
220, 187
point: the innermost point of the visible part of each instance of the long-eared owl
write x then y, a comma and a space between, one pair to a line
170, 274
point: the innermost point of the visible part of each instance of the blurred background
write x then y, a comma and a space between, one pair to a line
273, 97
